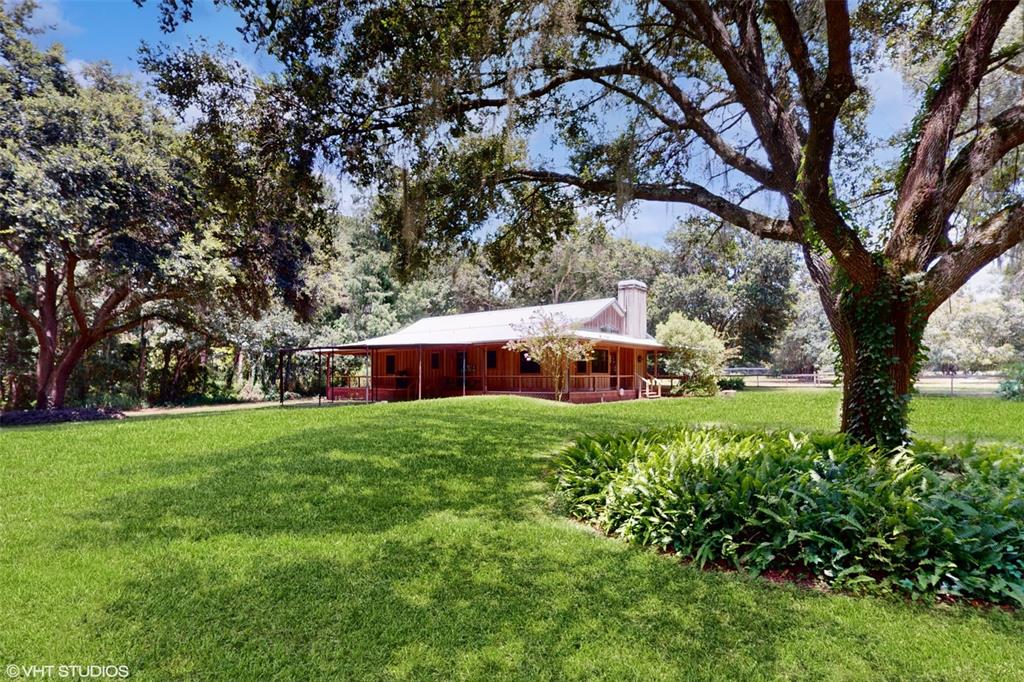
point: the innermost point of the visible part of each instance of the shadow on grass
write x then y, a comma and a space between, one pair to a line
355, 478
449, 599
413, 541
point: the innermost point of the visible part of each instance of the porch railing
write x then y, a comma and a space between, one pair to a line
497, 383
534, 383
601, 382
350, 381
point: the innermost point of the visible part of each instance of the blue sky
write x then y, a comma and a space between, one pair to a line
112, 30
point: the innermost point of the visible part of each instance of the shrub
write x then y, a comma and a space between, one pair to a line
937, 520
731, 383
1013, 387
696, 352
70, 414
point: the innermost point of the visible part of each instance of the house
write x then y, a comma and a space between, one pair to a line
465, 355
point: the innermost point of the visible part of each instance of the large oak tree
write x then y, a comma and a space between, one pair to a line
110, 215
750, 110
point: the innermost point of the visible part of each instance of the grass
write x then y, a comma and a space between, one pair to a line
416, 541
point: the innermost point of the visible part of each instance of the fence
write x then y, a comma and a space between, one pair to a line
928, 383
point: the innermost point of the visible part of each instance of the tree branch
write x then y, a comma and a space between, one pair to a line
72, 294
131, 324
649, 73
106, 309
788, 26
993, 140
746, 70
918, 222
695, 118
823, 105
12, 299
688, 193
979, 246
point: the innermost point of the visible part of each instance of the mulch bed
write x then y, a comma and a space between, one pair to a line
74, 414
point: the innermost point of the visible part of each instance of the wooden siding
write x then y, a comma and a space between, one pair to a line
609, 318
615, 383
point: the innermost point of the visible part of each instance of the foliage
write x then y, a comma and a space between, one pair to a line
806, 344
725, 277
18, 367
969, 335
112, 216
585, 265
696, 352
547, 339
731, 383
945, 520
709, 271
525, 220
1013, 387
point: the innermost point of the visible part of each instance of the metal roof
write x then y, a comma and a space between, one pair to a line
500, 325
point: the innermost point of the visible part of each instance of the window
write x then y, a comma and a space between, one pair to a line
492, 359
527, 366
435, 361
581, 366
460, 363
389, 364
599, 364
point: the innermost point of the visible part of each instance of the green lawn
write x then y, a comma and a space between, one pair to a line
416, 541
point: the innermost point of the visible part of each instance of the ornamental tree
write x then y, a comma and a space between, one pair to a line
111, 216
547, 339
696, 352
753, 111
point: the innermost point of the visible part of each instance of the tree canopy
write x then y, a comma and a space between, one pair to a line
110, 215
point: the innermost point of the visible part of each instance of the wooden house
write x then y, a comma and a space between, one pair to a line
465, 354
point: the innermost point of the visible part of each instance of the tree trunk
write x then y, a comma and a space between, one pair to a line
143, 357
878, 331
44, 373
59, 386
879, 343
62, 372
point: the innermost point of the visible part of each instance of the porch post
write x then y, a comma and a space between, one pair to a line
484, 373
465, 362
280, 374
327, 379
369, 372
287, 374
419, 387
319, 376
618, 366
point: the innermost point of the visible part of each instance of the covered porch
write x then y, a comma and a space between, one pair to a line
395, 373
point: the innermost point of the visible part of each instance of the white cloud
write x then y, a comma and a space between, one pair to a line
49, 16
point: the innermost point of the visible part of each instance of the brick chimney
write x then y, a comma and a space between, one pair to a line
633, 299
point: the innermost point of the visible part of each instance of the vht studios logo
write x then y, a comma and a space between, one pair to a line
67, 671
